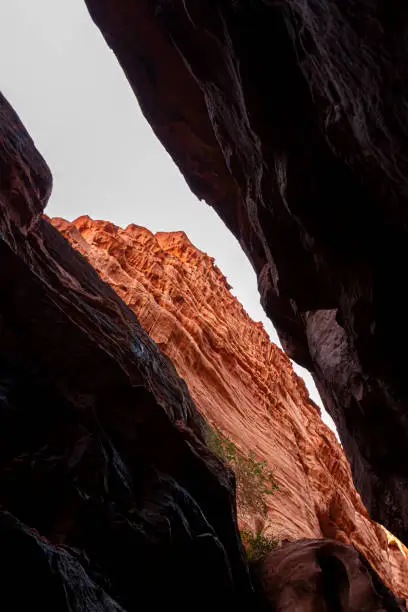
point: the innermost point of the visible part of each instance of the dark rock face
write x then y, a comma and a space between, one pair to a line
290, 118
242, 384
322, 576
109, 497
35, 571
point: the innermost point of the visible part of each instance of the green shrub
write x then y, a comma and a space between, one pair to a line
257, 545
254, 479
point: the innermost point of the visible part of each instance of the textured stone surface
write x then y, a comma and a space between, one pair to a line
322, 576
290, 118
109, 496
242, 383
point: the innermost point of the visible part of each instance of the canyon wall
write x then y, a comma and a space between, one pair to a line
242, 383
290, 119
109, 497
110, 500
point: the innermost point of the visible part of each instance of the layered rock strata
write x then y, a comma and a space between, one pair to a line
242, 383
290, 118
109, 498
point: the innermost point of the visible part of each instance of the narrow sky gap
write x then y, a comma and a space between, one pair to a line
73, 98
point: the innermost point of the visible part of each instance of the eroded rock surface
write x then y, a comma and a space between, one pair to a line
242, 383
110, 500
109, 497
290, 118
322, 576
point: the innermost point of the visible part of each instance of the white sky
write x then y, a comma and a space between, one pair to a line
69, 90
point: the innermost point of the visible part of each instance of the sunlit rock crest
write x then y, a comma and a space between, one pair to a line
242, 383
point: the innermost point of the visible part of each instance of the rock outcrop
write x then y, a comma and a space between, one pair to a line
109, 497
290, 118
321, 576
242, 383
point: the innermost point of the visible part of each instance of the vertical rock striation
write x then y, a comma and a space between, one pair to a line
242, 383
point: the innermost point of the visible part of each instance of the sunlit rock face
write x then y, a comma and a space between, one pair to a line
242, 383
291, 119
109, 497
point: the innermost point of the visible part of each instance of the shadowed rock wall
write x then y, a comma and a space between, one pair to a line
242, 383
290, 118
109, 498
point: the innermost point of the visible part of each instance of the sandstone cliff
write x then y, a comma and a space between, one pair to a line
109, 498
240, 382
290, 118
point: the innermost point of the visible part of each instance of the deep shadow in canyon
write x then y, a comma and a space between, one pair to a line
109, 497
107, 487
290, 120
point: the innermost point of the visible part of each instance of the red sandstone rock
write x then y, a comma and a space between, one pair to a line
102, 451
109, 498
240, 382
322, 576
290, 118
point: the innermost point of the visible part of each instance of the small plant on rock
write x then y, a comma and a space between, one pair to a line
257, 545
254, 479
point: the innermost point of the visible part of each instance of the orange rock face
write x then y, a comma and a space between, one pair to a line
242, 383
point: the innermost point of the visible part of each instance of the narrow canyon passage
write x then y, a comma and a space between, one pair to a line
156, 443
290, 119
106, 160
